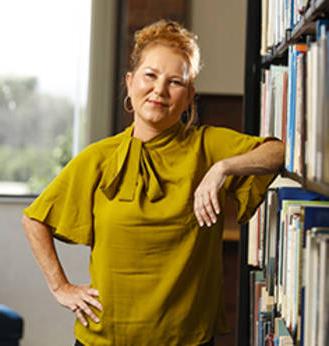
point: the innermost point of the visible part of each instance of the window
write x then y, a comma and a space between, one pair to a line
43, 89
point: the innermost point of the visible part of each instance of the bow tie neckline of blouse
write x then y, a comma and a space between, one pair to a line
131, 159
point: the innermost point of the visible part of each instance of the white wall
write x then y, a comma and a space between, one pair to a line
220, 26
23, 288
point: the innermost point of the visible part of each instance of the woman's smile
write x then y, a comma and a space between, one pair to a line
158, 104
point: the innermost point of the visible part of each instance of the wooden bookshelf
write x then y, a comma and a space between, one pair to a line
231, 234
304, 31
315, 186
306, 26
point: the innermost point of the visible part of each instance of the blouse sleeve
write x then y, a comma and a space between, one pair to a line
66, 204
249, 191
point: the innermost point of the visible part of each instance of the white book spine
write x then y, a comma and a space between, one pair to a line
314, 297
309, 95
314, 112
308, 290
263, 50
321, 103
323, 292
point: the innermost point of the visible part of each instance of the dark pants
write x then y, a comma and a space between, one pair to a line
209, 343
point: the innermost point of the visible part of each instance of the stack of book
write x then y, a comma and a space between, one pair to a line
278, 18
288, 253
295, 106
289, 290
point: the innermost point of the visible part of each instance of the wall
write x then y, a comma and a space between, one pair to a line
23, 288
220, 26
99, 115
134, 15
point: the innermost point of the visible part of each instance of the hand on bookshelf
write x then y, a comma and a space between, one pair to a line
206, 204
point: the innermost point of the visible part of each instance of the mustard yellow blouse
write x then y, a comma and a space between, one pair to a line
158, 273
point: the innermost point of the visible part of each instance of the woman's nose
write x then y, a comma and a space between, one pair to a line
160, 87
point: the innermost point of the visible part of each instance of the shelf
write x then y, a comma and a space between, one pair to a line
231, 234
306, 26
318, 187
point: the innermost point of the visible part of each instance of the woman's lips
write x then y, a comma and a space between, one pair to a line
158, 103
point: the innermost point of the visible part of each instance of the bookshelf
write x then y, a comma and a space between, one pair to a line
299, 226
306, 26
315, 186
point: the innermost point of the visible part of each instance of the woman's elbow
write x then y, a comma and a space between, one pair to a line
281, 152
278, 154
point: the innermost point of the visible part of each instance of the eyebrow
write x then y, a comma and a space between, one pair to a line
156, 70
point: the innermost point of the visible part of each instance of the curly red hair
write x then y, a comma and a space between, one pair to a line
171, 34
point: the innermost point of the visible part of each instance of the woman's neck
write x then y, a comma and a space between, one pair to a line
145, 131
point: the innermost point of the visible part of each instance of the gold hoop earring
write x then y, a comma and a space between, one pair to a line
126, 105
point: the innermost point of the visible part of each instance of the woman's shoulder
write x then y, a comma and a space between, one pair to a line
96, 153
210, 132
108, 144
103, 147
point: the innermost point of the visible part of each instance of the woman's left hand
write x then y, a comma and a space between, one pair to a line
206, 204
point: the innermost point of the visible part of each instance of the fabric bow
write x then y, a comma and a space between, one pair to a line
121, 174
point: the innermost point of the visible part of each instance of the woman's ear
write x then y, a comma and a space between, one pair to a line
128, 80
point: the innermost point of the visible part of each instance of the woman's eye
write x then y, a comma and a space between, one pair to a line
150, 75
176, 82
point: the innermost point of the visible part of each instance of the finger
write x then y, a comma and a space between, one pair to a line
199, 218
93, 292
204, 213
86, 309
81, 317
214, 201
196, 210
205, 217
209, 208
93, 302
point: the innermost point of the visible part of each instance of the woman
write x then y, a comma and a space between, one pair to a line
147, 201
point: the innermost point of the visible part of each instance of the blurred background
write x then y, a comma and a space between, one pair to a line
61, 88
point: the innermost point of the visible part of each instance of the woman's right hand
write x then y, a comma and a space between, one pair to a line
77, 298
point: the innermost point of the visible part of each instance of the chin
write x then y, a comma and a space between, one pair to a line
158, 119
155, 118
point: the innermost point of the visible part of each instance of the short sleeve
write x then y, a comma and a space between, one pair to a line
249, 191
66, 204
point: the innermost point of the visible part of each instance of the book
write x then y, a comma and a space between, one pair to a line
259, 284
317, 108
252, 317
297, 216
313, 318
294, 52
281, 333
298, 164
285, 215
323, 318
325, 147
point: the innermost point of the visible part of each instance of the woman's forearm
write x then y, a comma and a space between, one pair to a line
265, 159
43, 248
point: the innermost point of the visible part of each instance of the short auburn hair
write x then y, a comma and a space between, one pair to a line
170, 34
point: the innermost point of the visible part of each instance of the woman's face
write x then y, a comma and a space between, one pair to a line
160, 88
